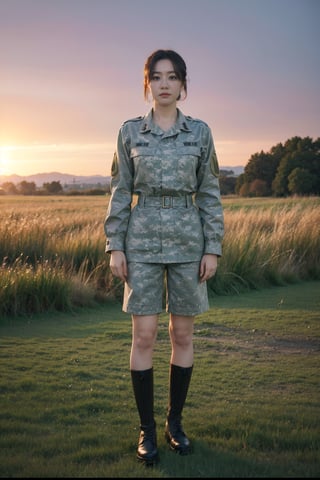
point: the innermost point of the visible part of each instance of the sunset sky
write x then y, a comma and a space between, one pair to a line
71, 71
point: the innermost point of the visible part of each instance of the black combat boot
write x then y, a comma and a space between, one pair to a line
179, 383
142, 381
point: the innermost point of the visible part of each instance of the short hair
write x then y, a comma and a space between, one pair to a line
177, 61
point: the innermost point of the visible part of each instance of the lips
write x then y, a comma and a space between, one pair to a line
165, 95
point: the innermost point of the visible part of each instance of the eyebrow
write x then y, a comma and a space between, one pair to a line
156, 71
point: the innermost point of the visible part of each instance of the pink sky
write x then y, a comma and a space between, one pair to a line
71, 72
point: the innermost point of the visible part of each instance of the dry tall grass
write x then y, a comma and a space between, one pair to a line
271, 245
52, 249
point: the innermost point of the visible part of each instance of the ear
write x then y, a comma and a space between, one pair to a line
182, 95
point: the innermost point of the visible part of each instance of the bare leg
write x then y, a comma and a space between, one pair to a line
144, 335
181, 335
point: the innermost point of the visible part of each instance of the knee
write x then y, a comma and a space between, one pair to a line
145, 340
182, 340
182, 336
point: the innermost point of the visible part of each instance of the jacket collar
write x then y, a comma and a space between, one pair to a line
180, 125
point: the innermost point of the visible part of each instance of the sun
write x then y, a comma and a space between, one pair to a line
5, 159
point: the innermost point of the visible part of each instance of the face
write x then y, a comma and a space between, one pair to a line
164, 85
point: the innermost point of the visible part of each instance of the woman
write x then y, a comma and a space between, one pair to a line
172, 237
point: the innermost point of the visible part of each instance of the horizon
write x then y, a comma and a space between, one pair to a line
72, 74
54, 172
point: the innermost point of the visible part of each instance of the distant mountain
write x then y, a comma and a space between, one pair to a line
64, 178
236, 170
77, 180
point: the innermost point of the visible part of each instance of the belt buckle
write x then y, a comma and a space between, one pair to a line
166, 201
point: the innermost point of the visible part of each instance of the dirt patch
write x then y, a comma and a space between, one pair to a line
259, 341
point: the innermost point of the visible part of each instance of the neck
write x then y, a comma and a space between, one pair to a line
167, 111
165, 117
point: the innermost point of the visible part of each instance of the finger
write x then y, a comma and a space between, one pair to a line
117, 273
201, 270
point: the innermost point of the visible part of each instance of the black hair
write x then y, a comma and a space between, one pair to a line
177, 61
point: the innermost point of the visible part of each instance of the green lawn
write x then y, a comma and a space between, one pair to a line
253, 409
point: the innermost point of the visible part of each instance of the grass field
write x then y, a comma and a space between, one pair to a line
52, 250
253, 409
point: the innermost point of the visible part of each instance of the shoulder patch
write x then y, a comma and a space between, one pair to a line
214, 165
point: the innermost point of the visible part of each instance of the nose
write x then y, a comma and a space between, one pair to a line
164, 82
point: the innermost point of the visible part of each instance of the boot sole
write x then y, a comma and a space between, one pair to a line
148, 462
180, 451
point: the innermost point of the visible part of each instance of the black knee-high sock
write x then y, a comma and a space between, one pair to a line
179, 384
142, 381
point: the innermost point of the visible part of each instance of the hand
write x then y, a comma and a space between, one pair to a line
118, 264
208, 267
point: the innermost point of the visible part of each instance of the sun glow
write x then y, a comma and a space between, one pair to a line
5, 159
73, 158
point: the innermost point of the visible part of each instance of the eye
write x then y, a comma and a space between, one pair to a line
173, 76
155, 77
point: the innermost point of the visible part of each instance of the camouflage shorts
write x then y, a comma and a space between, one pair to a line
175, 287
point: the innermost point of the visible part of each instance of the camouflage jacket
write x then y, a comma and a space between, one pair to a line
178, 216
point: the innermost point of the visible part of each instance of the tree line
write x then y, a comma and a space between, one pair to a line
292, 168
48, 188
